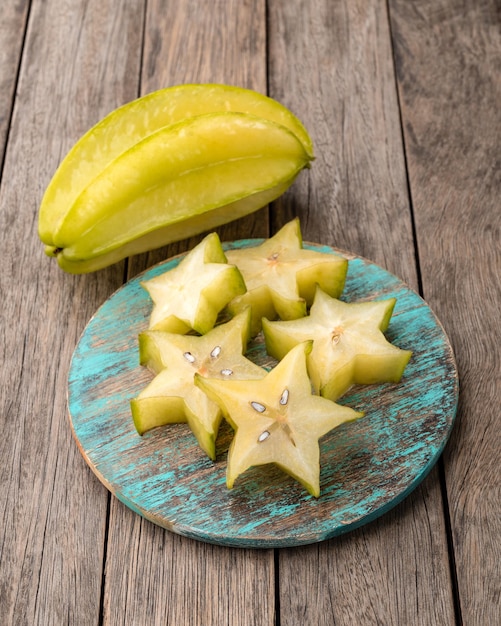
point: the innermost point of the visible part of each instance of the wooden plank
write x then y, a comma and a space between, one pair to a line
12, 27
377, 575
80, 60
448, 58
331, 64
356, 198
156, 576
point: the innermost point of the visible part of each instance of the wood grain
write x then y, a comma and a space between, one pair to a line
12, 26
373, 576
192, 41
402, 101
157, 577
333, 64
76, 65
448, 58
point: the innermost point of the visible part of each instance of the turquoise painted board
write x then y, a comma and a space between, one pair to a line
367, 466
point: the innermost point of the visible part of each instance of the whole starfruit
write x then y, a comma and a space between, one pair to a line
171, 165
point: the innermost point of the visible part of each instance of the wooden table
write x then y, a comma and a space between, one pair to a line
402, 100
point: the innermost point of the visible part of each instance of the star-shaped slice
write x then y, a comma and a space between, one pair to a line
277, 420
281, 276
172, 395
191, 295
349, 346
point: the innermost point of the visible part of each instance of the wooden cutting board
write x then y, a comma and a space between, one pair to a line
367, 466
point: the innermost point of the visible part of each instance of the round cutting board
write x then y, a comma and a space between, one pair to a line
367, 466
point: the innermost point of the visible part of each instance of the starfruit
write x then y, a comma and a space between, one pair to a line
191, 295
281, 276
349, 346
167, 166
172, 395
277, 419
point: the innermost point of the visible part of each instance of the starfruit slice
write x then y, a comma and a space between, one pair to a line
277, 420
281, 276
127, 125
349, 346
191, 295
178, 181
172, 395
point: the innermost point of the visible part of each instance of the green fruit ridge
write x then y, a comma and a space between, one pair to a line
280, 412
172, 164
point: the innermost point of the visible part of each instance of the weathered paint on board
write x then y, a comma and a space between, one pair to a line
367, 467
